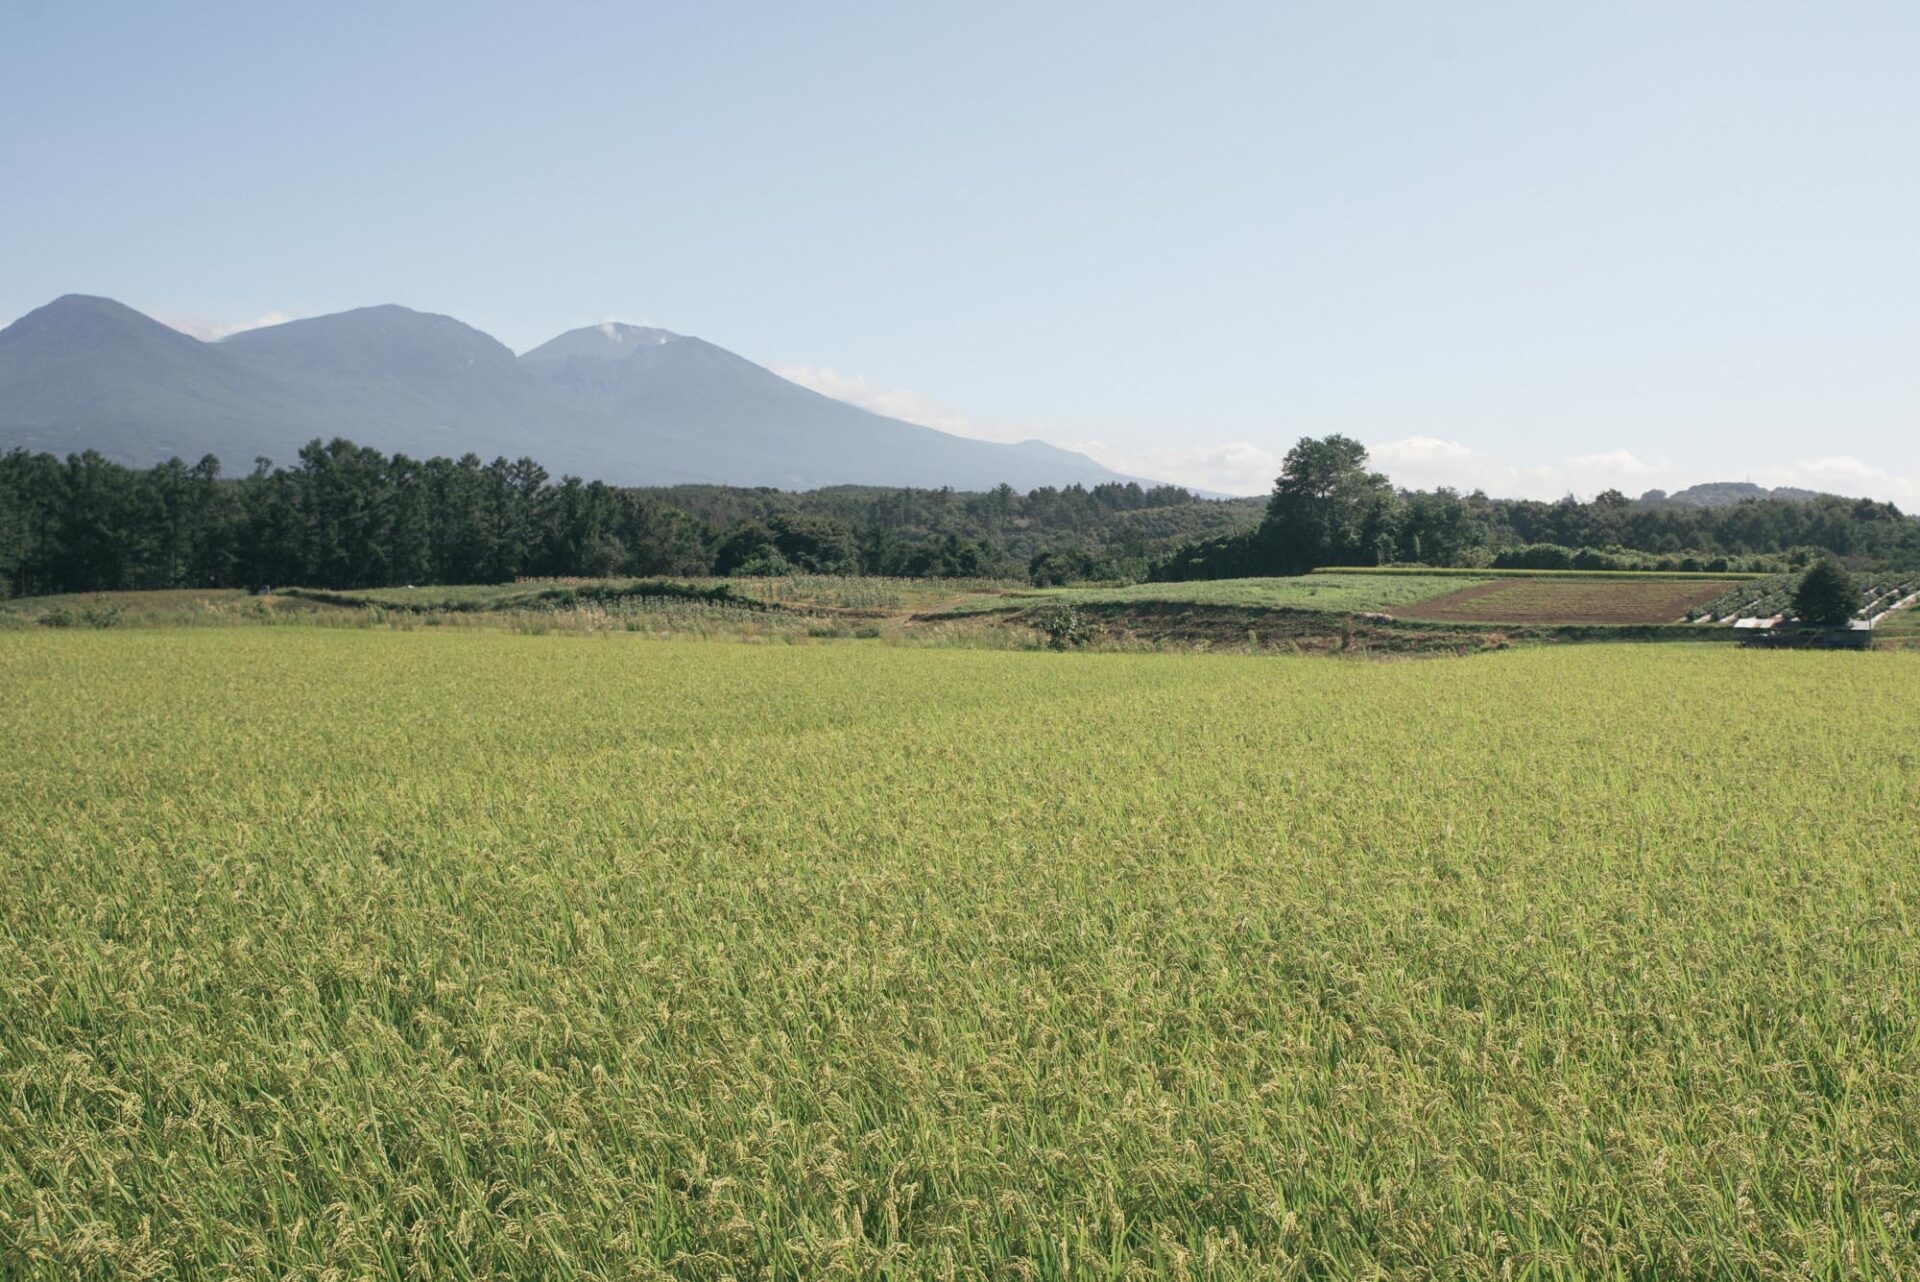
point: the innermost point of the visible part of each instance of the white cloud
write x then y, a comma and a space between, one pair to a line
911, 407
1413, 462
212, 331
1235, 467
1231, 467
1425, 462
1845, 475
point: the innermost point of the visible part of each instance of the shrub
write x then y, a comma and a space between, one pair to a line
769, 565
1062, 625
84, 616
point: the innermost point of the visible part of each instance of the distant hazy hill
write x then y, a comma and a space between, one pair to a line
619, 403
1722, 494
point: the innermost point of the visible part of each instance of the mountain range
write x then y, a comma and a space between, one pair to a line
619, 403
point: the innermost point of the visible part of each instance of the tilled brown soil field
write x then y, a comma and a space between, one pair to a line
1552, 600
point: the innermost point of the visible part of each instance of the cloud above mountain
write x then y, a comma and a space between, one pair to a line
212, 331
898, 402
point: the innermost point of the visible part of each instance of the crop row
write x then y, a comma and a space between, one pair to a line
1772, 596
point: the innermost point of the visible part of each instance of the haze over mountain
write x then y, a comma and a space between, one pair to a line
619, 403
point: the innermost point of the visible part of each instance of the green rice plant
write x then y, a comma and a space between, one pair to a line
363, 953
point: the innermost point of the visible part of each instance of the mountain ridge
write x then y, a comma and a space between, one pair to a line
621, 403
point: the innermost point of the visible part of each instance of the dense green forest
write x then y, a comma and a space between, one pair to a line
346, 516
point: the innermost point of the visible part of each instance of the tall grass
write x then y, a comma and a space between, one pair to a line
456, 953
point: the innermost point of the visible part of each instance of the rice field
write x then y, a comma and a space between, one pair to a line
456, 953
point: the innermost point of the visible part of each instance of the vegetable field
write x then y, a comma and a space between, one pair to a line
1902, 622
1572, 600
457, 953
1881, 591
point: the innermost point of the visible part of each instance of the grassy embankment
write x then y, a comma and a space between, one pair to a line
1431, 611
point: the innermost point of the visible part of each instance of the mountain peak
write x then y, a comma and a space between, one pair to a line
607, 340
380, 320
619, 332
388, 337
75, 309
82, 322
88, 303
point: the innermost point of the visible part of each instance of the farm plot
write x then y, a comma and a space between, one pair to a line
1882, 593
1902, 624
1571, 600
1323, 591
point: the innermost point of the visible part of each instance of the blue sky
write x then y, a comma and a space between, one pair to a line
1537, 248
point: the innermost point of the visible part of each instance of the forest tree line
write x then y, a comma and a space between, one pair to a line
1327, 508
345, 516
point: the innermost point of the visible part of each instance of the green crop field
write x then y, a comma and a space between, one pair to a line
1334, 592
1902, 624
456, 953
